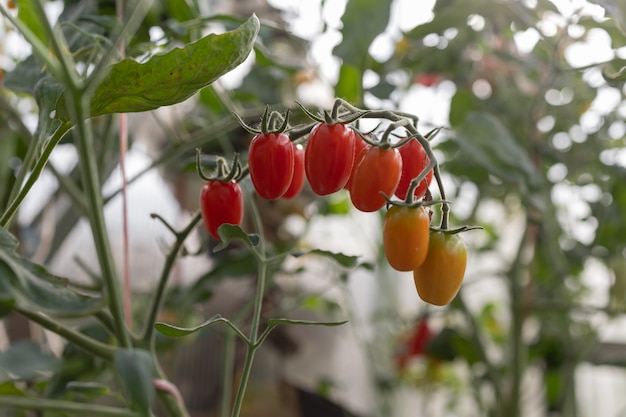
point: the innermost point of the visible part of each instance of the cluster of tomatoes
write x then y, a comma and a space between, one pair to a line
373, 170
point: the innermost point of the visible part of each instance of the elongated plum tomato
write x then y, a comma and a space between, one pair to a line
297, 181
220, 203
377, 172
439, 278
405, 237
271, 162
329, 157
414, 160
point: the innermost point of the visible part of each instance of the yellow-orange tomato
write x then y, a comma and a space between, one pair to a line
405, 237
439, 278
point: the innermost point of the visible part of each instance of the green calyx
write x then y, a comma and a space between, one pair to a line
223, 172
271, 122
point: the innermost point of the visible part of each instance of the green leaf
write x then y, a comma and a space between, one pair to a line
350, 84
175, 331
47, 92
228, 232
272, 323
24, 360
30, 286
26, 13
362, 21
134, 366
347, 261
488, 143
172, 77
462, 103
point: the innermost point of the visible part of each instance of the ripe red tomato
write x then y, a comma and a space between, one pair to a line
297, 181
360, 147
405, 237
329, 157
220, 203
414, 160
439, 278
378, 172
271, 162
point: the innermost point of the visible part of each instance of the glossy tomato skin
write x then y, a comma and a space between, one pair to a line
271, 162
405, 237
414, 160
329, 157
297, 181
377, 172
220, 203
360, 147
439, 278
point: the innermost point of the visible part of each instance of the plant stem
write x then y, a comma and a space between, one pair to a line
7, 216
170, 261
65, 407
78, 104
229, 367
252, 345
84, 342
518, 351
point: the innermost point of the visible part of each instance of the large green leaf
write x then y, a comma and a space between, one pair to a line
31, 287
134, 366
362, 21
172, 77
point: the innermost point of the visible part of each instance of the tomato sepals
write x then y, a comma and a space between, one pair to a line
223, 172
413, 204
348, 115
456, 230
271, 122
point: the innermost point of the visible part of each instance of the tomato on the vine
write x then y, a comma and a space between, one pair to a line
297, 181
439, 278
271, 162
405, 237
329, 157
221, 202
414, 161
377, 172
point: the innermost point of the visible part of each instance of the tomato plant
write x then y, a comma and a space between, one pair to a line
329, 157
414, 161
297, 181
221, 202
271, 164
377, 172
405, 237
439, 278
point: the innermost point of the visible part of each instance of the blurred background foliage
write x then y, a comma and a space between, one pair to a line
532, 149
